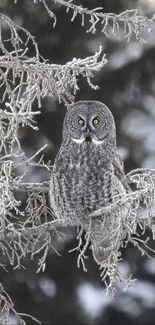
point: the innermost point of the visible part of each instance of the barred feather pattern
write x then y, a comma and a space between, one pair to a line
79, 188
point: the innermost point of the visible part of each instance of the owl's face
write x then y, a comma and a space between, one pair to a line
89, 122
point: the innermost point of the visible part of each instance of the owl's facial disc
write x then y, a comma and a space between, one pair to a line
89, 123
88, 126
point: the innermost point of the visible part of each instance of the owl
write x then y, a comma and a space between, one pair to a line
88, 173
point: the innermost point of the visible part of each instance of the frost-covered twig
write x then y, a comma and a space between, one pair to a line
54, 80
124, 221
25, 79
7, 307
129, 21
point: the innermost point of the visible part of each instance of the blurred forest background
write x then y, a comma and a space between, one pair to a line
64, 294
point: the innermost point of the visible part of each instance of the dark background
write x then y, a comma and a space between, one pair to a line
64, 294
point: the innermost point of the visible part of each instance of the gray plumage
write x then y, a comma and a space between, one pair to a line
88, 173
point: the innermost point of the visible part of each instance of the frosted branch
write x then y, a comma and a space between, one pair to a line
24, 79
124, 221
129, 21
7, 307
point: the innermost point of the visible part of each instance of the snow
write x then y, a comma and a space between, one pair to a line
144, 291
149, 266
92, 299
48, 286
12, 320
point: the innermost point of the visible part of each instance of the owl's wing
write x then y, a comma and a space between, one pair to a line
102, 243
53, 195
120, 172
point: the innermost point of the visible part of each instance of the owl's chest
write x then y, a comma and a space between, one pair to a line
84, 185
83, 174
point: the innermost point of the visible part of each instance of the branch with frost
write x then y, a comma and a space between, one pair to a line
11, 119
15, 40
125, 221
44, 79
129, 21
7, 307
25, 79
25, 230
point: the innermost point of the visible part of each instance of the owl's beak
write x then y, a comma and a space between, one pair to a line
88, 136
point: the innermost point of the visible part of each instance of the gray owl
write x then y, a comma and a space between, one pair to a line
88, 173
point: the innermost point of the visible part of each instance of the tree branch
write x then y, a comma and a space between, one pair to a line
129, 21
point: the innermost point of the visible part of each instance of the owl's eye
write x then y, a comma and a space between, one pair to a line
95, 121
81, 122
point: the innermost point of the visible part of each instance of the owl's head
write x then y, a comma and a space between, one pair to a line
89, 122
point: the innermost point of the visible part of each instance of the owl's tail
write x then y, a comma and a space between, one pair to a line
100, 254
101, 243
104, 238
